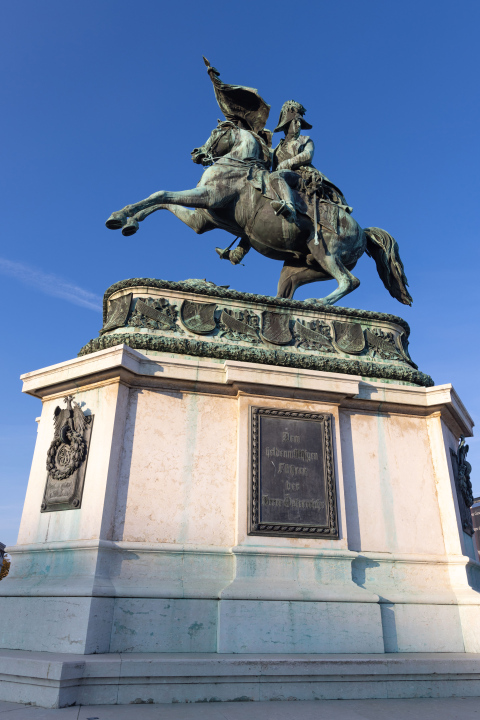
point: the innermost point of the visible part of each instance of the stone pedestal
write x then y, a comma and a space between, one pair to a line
158, 557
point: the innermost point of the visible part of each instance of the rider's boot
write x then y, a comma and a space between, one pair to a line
285, 205
237, 255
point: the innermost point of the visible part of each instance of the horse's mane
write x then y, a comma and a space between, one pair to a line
265, 149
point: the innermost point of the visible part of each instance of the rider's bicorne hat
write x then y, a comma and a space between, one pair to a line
291, 110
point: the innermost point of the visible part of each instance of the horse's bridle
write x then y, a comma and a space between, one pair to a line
209, 157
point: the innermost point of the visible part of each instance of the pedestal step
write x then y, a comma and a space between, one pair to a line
58, 680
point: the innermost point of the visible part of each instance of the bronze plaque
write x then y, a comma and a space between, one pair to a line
461, 472
293, 490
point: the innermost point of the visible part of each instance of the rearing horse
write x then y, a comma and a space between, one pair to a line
234, 194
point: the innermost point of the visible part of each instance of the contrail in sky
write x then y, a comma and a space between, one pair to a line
50, 284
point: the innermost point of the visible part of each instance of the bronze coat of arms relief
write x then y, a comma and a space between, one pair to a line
276, 328
67, 458
117, 313
199, 318
349, 337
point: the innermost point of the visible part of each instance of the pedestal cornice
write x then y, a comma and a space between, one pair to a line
230, 377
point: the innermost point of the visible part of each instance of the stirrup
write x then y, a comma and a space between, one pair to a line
224, 254
287, 210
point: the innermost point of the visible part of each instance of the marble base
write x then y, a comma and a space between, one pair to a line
54, 680
132, 625
270, 626
159, 559
56, 624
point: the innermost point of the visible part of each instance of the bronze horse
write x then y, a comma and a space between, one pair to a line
234, 194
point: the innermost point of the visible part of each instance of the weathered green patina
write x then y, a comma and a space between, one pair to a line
294, 214
199, 319
196, 348
209, 289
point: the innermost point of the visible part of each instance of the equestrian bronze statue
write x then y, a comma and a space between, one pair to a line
276, 202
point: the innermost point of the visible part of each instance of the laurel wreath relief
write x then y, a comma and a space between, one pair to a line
63, 458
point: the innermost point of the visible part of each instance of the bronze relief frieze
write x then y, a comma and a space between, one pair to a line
238, 325
313, 336
201, 319
154, 314
382, 344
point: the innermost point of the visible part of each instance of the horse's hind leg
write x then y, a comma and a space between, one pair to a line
297, 273
327, 254
195, 218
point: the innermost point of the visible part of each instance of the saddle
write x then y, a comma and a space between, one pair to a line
311, 188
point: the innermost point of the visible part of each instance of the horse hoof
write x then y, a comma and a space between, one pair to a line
314, 301
116, 221
130, 228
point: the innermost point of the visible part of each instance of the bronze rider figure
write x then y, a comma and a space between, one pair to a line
292, 164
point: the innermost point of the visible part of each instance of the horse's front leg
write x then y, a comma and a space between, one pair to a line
201, 197
193, 217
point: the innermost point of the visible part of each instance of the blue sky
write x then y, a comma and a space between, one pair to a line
103, 101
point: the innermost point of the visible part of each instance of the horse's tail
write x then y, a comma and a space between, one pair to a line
383, 248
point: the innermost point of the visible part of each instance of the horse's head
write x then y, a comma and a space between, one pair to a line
219, 143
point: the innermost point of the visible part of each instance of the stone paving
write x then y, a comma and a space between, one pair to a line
418, 709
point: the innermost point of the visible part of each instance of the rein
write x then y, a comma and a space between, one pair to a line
249, 162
